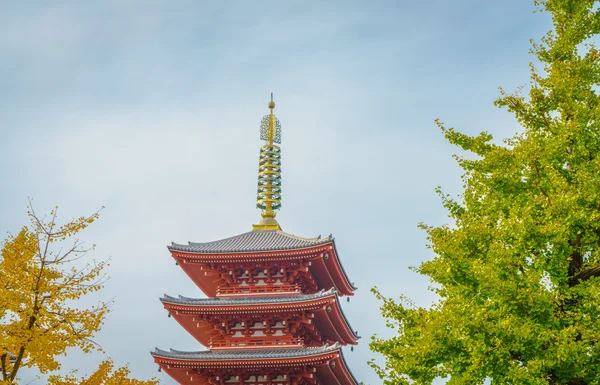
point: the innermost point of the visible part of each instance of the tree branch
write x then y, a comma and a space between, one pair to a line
584, 275
576, 261
21, 353
3, 358
36, 289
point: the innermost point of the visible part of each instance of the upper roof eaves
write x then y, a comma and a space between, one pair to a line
244, 354
262, 300
252, 241
240, 355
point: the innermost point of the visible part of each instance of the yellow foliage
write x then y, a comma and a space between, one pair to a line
42, 276
104, 375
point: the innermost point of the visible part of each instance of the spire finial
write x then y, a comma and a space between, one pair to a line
268, 197
271, 103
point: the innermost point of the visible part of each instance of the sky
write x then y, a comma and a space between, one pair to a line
152, 109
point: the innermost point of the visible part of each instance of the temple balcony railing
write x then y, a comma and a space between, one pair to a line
255, 343
234, 291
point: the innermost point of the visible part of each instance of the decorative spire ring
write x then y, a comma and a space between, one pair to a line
268, 196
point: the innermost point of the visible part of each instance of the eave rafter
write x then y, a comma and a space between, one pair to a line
325, 363
198, 316
229, 267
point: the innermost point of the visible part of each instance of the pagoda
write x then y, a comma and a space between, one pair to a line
273, 314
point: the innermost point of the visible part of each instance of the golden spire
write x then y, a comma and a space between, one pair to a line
268, 197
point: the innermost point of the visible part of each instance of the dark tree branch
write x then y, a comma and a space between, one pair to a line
3, 358
584, 275
576, 261
17, 364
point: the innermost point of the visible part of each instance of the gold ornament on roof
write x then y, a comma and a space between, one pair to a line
268, 196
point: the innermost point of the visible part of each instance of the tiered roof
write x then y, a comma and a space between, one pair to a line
324, 305
328, 361
260, 246
245, 301
273, 240
219, 355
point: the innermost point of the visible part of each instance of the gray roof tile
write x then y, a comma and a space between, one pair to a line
247, 300
244, 354
240, 355
256, 301
253, 241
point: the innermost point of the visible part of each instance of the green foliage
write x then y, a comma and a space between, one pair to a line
518, 270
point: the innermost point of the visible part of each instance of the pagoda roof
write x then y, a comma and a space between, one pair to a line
334, 322
264, 245
178, 363
252, 241
209, 355
241, 301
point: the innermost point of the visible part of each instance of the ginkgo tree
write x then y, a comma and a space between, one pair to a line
517, 271
104, 375
42, 275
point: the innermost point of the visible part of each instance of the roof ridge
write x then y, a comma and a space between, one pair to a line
300, 238
260, 352
253, 241
249, 300
223, 239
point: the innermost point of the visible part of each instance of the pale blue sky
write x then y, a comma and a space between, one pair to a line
151, 108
